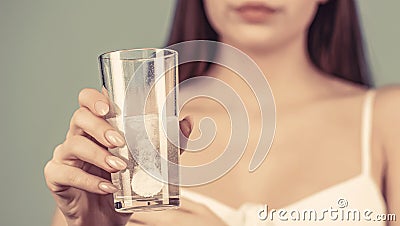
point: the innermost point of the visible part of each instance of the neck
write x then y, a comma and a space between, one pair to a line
288, 69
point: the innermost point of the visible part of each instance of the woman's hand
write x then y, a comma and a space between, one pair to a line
189, 214
78, 175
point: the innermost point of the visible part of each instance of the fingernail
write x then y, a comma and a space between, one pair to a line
107, 187
116, 162
101, 107
115, 138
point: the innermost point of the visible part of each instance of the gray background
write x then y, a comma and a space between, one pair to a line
48, 52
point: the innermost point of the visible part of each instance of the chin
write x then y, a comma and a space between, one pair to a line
248, 41
253, 38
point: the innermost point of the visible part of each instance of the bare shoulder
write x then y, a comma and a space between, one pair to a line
388, 97
387, 121
387, 110
387, 116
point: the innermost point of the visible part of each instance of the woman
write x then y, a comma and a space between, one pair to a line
334, 136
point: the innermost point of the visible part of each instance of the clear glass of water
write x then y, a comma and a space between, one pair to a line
141, 85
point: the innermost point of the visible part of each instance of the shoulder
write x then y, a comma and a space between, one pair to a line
387, 119
387, 107
388, 96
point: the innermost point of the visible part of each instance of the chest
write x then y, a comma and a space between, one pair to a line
312, 149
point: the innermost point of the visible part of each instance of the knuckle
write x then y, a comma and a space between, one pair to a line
47, 170
51, 187
81, 181
74, 142
74, 179
89, 183
83, 147
83, 93
57, 151
78, 117
69, 134
79, 114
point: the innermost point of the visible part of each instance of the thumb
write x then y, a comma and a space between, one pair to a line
185, 126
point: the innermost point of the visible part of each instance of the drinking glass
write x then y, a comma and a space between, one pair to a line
141, 85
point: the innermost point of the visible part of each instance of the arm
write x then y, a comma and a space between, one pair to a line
388, 116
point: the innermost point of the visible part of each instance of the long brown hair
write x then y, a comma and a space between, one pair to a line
335, 42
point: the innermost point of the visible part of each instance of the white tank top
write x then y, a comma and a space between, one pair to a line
356, 200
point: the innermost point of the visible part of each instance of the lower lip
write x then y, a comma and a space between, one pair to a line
255, 15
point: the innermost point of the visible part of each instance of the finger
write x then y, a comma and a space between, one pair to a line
185, 126
81, 148
84, 121
59, 177
94, 101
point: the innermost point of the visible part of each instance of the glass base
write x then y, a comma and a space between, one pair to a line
145, 204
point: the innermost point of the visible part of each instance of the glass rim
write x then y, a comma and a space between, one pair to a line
107, 55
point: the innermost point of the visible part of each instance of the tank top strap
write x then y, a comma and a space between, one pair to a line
366, 130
